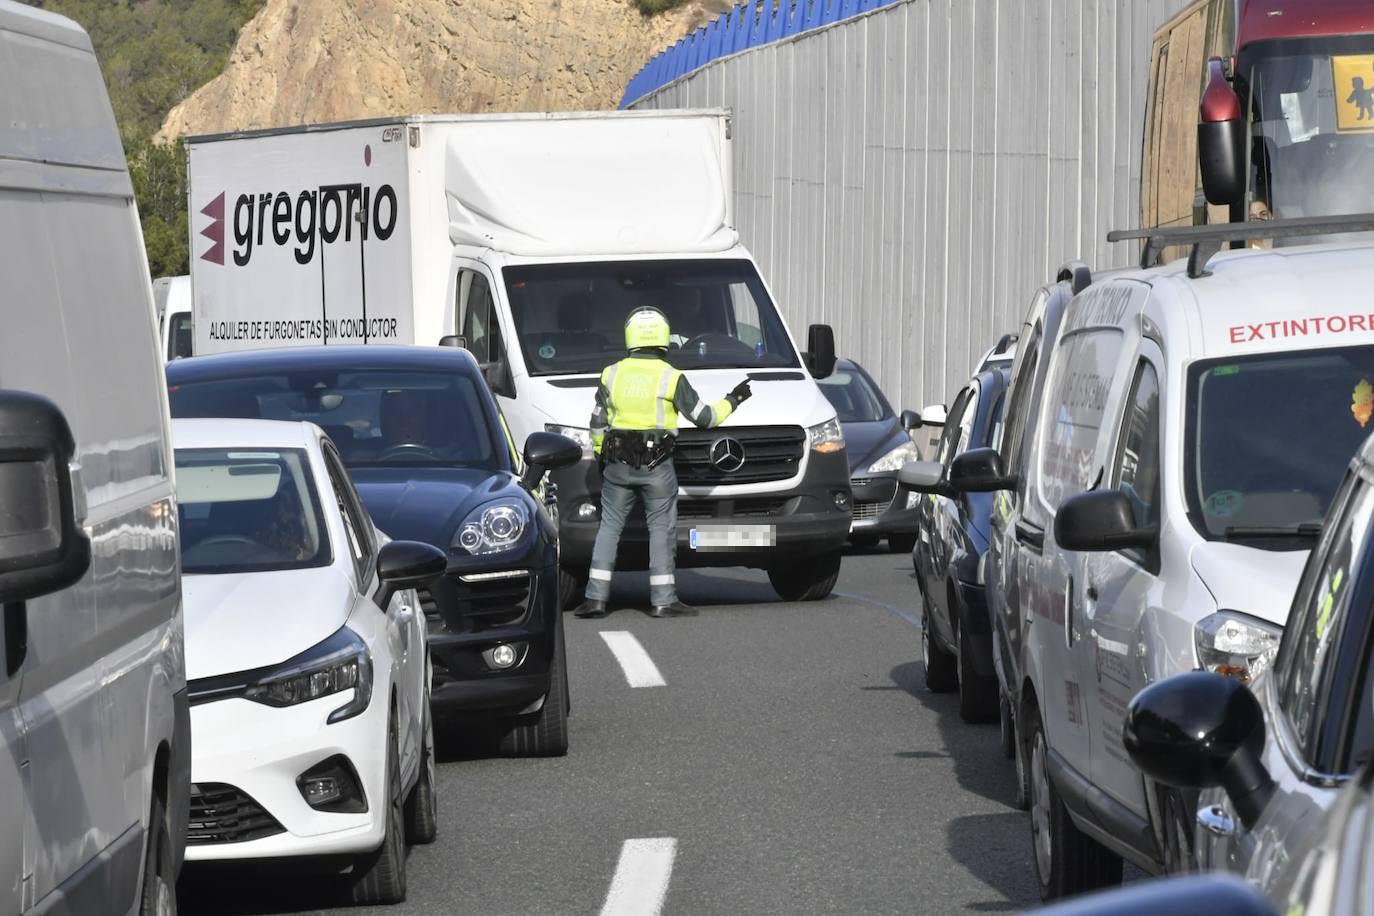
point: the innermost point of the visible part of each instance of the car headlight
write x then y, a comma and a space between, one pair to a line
493, 528
1236, 645
894, 459
826, 437
339, 663
579, 434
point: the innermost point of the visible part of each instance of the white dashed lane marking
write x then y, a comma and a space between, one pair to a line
639, 668
642, 874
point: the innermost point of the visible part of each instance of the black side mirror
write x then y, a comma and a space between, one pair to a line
820, 350
546, 452
498, 378
1221, 139
910, 420
1100, 521
407, 564
454, 340
979, 470
925, 477
42, 546
1198, 730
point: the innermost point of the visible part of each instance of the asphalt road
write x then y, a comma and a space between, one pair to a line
792, 762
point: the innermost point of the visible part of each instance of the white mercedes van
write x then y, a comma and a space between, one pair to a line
94, 724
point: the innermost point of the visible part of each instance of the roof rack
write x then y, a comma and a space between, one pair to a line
1208, 240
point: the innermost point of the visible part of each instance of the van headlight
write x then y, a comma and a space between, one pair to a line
339, 663
1236, 645
826, 437
894, 459
493, 528
579, 434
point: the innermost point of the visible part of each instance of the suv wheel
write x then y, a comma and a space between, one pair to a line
901, 543
1067, 862
809, 580
545, 733
571, 585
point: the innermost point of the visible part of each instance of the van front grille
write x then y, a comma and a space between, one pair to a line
770, 453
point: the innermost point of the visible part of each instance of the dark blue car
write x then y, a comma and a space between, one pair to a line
424, 442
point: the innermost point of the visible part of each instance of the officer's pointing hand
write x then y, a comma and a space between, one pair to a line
741, 393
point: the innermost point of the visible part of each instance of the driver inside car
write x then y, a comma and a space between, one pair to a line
405, 421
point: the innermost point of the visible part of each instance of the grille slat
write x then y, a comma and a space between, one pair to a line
770, 453
221, 813
864, 510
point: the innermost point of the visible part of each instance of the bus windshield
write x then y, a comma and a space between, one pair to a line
570, 318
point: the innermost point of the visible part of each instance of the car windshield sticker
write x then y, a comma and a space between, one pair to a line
1362, 402
547, 351
1353, 77
1224, 503
1219, 371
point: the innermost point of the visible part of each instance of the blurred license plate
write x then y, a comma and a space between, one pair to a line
733, 537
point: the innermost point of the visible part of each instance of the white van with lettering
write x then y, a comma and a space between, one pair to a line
95, 744
1195, 423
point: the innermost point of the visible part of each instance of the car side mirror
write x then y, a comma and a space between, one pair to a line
1198, 730
979, 470
911, 420
454, 340
1221, 133
43, 548
1100, 521
546, 452
925, 477
407, 564
497, 375
820, 350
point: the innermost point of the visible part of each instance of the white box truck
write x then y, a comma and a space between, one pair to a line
528, 239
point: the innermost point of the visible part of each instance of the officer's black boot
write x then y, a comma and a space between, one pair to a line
676, 609
590, 608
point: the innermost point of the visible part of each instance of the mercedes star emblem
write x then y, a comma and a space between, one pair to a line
727, 454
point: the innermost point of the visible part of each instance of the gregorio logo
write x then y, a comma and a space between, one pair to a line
306, 221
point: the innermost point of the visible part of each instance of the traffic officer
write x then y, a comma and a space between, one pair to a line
634, 430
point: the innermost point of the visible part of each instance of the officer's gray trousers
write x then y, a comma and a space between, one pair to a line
620, 484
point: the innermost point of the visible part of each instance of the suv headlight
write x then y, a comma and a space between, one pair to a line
894, 459
332, 666
493, 528
826, 437
579, 434
1236, 645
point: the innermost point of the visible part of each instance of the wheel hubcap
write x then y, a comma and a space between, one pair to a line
1040, 808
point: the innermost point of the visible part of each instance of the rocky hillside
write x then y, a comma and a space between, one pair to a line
308, 61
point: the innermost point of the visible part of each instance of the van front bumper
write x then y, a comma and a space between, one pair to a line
811, 518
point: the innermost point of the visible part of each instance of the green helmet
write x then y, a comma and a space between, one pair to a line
646, 327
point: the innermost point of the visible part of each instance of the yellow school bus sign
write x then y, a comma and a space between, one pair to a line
1353, 78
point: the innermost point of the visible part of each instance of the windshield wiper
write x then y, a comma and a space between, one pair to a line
1307, 530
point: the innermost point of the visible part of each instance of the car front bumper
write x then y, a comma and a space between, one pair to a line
260, 751
883, 507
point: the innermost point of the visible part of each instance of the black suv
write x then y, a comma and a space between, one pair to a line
426, 446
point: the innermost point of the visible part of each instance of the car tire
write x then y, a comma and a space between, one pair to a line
572, 585
901, 543
379, 877
864, 541
422, 805
978, 695
1067, 861
1021, 798
1008, 727
158, 897
942, 673
811, 580
545, 733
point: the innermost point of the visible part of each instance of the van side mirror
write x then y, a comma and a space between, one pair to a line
979, 470
406, 564
925, 477
1100, 521
454, 340
43, 548
546, 452
497, 375
910, 420
1221, 139
820, 350
1198, 730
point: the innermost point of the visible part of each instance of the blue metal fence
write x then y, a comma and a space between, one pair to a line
745, 25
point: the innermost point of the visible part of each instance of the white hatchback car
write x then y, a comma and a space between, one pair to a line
306, 658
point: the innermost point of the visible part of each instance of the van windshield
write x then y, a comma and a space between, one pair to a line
570, 318
1312, 101
1269, 439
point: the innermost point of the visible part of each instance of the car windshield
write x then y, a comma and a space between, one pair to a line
248, 510
376, 417
1313, 105
1269, 438
854, 398
570, 318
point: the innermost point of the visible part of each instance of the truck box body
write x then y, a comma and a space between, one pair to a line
531, 238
